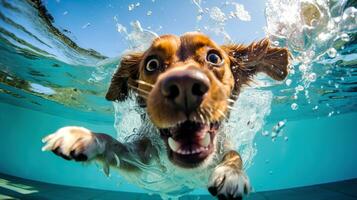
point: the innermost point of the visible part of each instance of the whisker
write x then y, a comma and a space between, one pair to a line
144, 83
230, 100
207, 117
209, 109
231, 108
202, 118
138, 89
220, 112
208, 114
234, 95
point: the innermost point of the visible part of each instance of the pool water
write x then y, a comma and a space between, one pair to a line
57, 58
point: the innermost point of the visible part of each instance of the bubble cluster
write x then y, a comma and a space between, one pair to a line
133, 6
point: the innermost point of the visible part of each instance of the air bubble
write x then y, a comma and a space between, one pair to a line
288, 82
199, 17
265, 133
331, 52
330, 113
312, 77
131, 7
86, 25
277, 128
345, 37
149, 13
294, 106
299, 88
276, 43
303, 68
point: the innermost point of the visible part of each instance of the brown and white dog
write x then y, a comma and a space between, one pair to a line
186, 85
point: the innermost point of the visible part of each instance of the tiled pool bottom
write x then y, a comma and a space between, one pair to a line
18, 188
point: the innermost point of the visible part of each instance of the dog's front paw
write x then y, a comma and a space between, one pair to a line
73, 142
228, 183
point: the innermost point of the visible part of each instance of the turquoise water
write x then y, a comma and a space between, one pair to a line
300, 132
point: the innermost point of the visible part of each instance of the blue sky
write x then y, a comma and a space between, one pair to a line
174, 16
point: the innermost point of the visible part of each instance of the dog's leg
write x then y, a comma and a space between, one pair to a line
80, 144
228, 180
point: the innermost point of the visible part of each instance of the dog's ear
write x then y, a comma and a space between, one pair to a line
260, 56
124, 77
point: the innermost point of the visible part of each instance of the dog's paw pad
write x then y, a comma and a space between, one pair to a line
73, 143
228, 183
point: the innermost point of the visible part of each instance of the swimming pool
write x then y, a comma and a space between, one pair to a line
300, 132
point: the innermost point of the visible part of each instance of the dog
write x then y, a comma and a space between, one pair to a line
186, 85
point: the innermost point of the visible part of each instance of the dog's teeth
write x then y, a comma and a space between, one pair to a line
198, 150
206, 140
182, 152
174, 146
179, 151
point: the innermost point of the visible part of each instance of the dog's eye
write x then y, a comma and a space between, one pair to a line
152, 65
214, 58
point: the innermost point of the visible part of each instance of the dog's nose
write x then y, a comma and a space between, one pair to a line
185, 88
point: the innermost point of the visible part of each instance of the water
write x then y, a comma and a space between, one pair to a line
44, 68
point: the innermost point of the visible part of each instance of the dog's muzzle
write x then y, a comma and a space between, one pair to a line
185, 89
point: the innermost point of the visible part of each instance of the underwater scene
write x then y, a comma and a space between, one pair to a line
58, 57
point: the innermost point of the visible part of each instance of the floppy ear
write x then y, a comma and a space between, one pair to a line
246, 61
126, 74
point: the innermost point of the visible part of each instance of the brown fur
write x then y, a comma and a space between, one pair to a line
186, 53
241, 63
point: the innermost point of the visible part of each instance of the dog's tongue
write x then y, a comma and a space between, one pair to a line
189, 138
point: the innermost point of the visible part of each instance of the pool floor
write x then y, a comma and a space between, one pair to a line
18, 188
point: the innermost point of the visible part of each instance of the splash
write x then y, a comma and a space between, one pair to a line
163, 177
214, 19
309, 27
139, 38
313, 30
240, 12
241, 129
320, 35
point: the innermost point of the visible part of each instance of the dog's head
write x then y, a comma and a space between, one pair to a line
187, 85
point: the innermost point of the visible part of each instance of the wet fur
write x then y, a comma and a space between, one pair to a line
241, 63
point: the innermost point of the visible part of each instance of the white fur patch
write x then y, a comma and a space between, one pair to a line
229, 181
72, 138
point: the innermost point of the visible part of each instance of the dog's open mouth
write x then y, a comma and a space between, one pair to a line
189, 143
